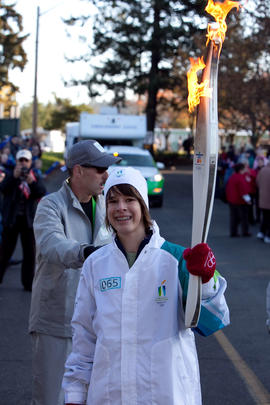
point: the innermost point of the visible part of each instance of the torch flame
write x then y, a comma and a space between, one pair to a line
219, 11
215, 33
196, 90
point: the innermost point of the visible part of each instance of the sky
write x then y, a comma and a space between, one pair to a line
53, 46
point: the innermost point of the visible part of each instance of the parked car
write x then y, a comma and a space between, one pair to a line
142, 160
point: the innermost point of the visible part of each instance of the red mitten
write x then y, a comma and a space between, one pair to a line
200, 261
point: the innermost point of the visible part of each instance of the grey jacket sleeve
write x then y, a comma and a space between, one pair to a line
51, 240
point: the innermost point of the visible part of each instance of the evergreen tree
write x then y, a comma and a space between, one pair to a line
12, 54
140, 43
145, 46
244, 74
62, 112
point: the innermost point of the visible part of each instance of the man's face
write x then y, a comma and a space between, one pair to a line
23, 162
15, 140
92, 180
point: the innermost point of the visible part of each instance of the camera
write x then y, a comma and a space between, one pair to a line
24, 173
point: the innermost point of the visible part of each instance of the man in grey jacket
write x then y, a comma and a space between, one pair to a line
68, 226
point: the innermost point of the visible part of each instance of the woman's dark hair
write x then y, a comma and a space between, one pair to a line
238, 167
128, 190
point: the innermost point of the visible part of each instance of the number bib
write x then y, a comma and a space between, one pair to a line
110, 283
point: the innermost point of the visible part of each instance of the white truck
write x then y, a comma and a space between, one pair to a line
107, 129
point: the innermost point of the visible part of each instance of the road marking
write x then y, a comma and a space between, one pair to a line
258, 392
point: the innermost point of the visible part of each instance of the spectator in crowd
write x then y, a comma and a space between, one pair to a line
36, 151
259, 164
250, 178
8, 162
69, 225
250, 155
231, 154
187, 145
263, 183
21, 191
129, 338
229, 170
239, 200
37, 167
221, 167
27, 142
15, 145
37, 162
259, 158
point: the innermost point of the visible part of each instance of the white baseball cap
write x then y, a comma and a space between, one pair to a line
128, 175
24, 153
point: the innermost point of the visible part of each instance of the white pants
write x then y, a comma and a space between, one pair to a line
49, 355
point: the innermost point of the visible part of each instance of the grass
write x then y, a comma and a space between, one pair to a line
48, 158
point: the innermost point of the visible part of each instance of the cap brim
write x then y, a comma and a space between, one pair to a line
106, 161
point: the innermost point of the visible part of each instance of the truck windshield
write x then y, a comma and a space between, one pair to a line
136, 160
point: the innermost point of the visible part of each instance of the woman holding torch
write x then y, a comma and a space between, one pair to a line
130, 343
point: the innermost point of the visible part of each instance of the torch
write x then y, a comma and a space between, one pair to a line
206, 145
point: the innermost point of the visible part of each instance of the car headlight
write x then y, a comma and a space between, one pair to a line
156, 177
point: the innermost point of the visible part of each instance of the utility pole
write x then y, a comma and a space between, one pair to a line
35, 101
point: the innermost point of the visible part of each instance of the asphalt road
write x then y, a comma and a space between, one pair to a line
234, 364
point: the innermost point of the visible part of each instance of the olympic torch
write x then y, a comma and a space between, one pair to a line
205, 145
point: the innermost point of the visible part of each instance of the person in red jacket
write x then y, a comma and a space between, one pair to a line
239, 200
250, 177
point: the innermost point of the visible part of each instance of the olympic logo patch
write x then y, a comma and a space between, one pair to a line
210, 261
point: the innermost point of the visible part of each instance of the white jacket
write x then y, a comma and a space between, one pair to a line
130, 345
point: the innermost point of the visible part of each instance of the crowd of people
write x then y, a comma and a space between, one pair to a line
244, 183
9, 148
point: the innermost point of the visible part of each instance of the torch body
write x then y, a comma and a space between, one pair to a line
204, 174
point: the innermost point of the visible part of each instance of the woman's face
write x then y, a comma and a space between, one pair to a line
125, 215
35, 150
260, 162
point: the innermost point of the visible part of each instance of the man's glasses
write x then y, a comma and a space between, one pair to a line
100, 170
23, 160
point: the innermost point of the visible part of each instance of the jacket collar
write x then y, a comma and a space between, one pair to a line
71, 195
152, 239
100, 206
144, 242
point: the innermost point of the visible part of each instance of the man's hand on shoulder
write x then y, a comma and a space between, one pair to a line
88, 250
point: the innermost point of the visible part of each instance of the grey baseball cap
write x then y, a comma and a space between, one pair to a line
89, 153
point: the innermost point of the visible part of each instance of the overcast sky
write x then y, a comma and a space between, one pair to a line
53, 45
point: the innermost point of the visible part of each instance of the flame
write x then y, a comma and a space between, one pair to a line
216, 33
196, 90
219, 11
